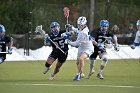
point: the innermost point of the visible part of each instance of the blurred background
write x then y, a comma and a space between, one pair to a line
20, 17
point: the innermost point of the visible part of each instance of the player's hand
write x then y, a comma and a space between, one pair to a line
10, 50
68, 26
65, 35
67, 41
46, 40
133, 46
100, 46
116, 47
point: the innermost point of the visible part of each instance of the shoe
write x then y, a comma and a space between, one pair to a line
46, 69
77, 77
90, 73
51, 77
99, 75
82, 75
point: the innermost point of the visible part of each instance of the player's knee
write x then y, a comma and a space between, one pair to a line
47, 65
81, 59
104, 60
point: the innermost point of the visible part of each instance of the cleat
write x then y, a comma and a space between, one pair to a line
82, 75
99, 75
77, 77
51, 77
90, 73
46, 69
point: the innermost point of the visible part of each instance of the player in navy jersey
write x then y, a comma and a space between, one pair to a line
103, 37
4, 42
59, 49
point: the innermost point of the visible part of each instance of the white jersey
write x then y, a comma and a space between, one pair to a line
83, 42
137, 37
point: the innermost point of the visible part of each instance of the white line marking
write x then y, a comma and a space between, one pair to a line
71, 85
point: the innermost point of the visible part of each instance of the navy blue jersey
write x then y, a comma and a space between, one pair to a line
99, 38
58, 40
98, 35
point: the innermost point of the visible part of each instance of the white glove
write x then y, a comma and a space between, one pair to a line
133, 46
40, 30
116, 47
67, 41
10, 50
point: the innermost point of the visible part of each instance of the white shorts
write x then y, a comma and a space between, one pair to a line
87, 51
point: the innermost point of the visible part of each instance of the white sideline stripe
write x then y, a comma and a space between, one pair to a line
71, 85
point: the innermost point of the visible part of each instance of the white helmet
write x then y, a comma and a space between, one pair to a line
82, 20
138, 22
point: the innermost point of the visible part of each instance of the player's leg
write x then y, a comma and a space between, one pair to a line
103, 64
92, 60
61, 59
80, 65
56, 70
52, 57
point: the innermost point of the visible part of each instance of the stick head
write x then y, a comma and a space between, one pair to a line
66, 11
39, 30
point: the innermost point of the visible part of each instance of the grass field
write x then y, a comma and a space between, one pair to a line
121, 76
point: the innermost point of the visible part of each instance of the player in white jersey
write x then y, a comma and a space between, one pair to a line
137, 37
84, 43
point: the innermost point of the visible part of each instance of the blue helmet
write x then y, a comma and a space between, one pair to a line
2, 28
54, 24
55, 31
104, 23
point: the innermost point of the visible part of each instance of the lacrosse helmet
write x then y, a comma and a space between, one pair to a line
104, 23
54, 24
82, 20
2, 28
138, 22
53, 29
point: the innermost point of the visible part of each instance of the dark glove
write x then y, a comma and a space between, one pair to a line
116, 48
10, 50
46, 40
101, 48
68, 26
133, 46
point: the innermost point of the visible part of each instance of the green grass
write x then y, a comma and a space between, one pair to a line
121, 76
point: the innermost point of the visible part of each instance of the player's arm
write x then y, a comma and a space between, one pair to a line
9, 43
136, 41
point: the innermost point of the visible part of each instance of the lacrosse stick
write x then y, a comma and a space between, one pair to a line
66, 13
42, 32
5, 53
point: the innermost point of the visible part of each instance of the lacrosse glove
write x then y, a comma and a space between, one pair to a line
46, 40
133, 46
10, 50
116, 47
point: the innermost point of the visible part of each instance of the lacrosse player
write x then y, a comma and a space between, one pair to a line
83, 43
4, 42
102, 37
137, 37
59, 49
